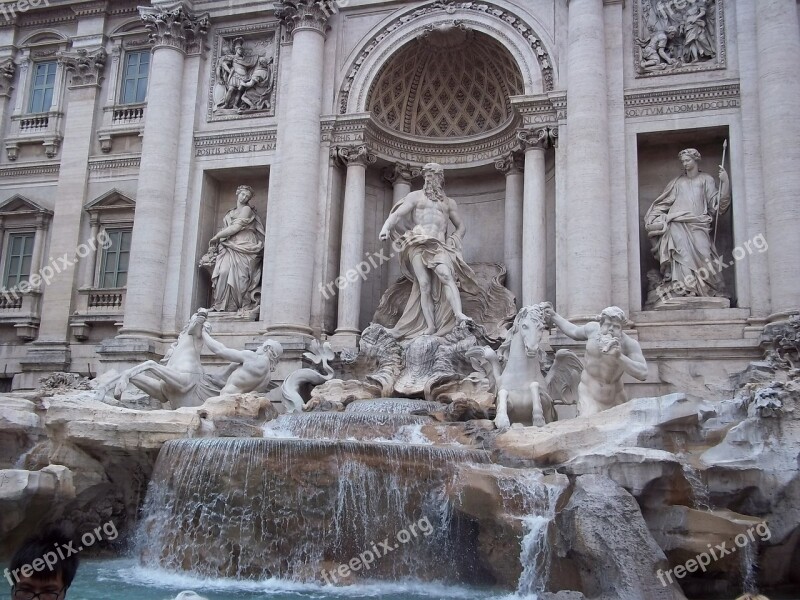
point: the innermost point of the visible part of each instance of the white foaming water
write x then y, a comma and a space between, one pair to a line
125, 580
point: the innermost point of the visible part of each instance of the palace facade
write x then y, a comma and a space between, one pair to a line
128, 129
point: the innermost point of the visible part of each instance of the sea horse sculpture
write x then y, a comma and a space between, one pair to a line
291, 387
524, 394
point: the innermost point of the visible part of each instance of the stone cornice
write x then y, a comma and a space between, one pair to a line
540, 110
299, 15
85, 65
239, 142
29, 170
175, 28
670, 101
116, 162
87, 9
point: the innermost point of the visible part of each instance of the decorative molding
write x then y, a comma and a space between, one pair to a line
510, 163
682, 100
354, 155
448, 7
663, 23
540, 138
7, 71
299, 15
401, 173
540, 110
117, 162
88, 9
175, 28
29, 170
242, 142
86, 66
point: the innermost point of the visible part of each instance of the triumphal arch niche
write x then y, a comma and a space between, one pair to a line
467, 86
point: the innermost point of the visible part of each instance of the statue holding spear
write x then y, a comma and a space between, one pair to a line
679, 224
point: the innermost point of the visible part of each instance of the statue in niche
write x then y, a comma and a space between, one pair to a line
250, 370
247, 80
655, 55
680, 223
235, 256
610, 353
430, 258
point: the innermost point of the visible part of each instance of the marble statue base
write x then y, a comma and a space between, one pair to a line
691, 302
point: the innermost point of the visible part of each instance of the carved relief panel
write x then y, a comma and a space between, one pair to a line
244, 70
678, 36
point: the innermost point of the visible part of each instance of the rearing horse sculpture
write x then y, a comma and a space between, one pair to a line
524, 394
181, 379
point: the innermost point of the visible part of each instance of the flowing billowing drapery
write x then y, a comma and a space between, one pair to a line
237, 274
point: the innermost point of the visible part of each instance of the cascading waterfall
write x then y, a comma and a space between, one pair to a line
364, 426
259, 508
392, 405
537, 501
700, 496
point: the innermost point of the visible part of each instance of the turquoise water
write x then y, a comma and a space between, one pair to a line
123, 579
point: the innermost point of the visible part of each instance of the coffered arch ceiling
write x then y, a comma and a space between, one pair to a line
449, 82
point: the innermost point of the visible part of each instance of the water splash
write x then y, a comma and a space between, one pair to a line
701, 498
749, 564
393, 405
364, 426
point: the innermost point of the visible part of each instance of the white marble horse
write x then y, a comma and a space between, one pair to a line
180, 379
524, 394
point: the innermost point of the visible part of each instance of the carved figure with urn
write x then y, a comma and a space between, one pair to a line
235, 256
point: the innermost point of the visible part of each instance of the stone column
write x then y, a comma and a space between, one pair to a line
352, 254
779, 90
534, 222
588, 182
86, 66
400, 176
174, 32
512, 165
292, 217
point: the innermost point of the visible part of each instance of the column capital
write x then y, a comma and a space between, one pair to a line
298, 15
540, 138
401, 173
510, 163
353, 155
176, 27
8, 69
85, 65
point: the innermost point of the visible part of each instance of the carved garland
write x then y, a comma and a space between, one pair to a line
450, 7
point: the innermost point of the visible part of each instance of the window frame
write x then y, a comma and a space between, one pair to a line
101, 273
8, 256
32, 88
124, 79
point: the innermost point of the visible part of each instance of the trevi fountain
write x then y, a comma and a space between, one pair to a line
403, 299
